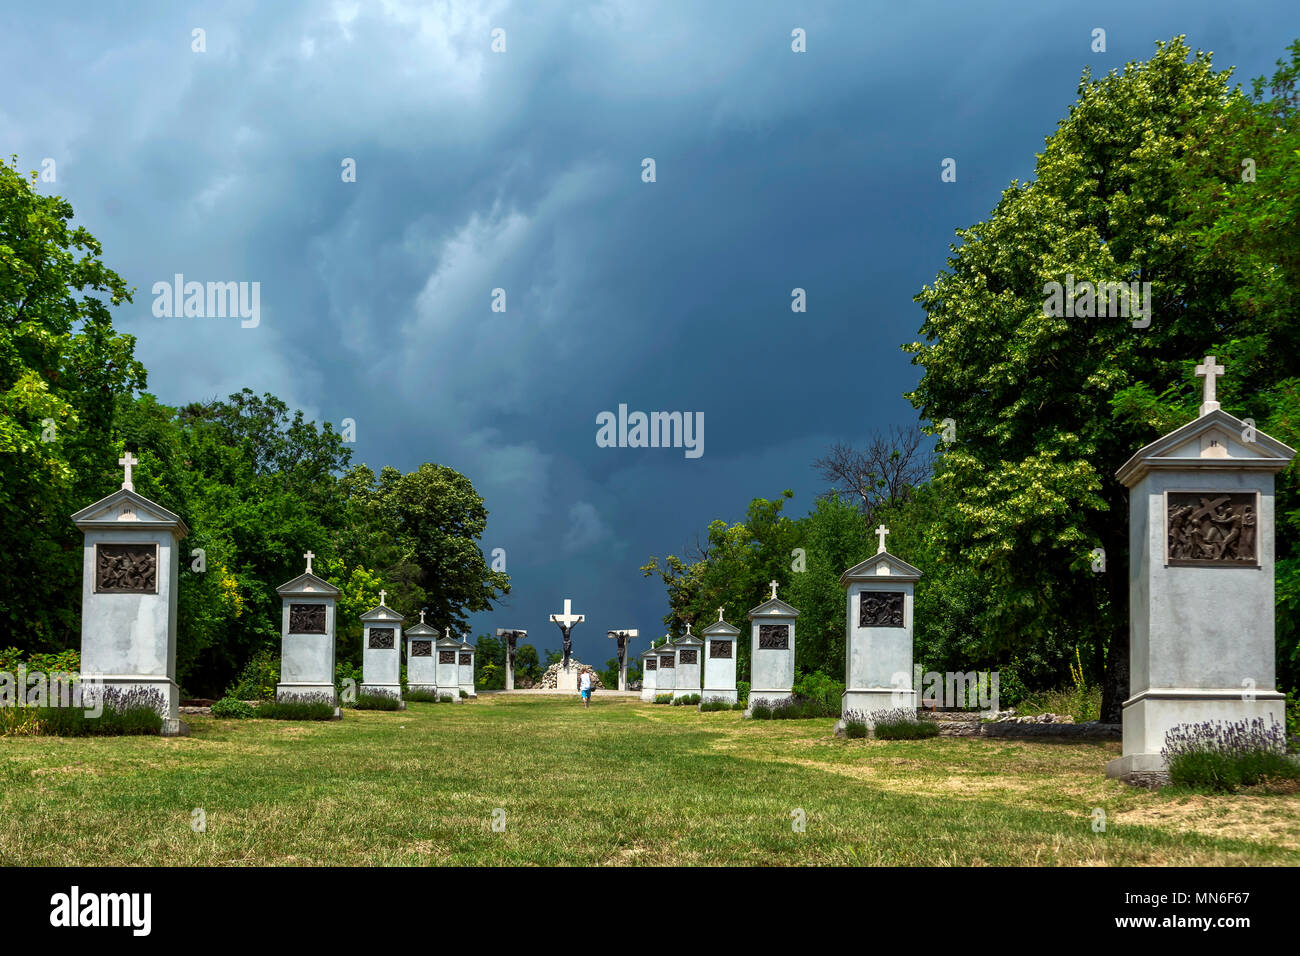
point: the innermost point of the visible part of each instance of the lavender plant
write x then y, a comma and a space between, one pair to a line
1224, 756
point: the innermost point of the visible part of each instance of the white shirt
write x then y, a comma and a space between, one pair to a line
586, 681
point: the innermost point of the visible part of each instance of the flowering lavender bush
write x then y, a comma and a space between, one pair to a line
901, 724
1225, 756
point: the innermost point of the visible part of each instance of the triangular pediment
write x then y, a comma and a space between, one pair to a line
127, 509
773, 607
307, 585
720, 629
382, 613
880, 566
1215, 440
422, 631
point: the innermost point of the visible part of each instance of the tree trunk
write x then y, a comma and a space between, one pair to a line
1115, 681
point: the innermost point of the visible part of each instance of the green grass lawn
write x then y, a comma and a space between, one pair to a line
622, 783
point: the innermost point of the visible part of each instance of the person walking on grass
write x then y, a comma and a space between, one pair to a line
585, 687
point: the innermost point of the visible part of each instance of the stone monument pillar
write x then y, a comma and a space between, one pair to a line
666, 679
307, 638
130, 561
511, 636
687, 681
1201, 579
622, 637
720, 661
448, 669
465, 664
649, 672
878, 648
381, 650
420, 667
771, 658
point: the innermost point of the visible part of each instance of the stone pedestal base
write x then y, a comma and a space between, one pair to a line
868, 700
310, 691
719, 693
767, 695
1148, 716
117, 685
175, 727
567, 679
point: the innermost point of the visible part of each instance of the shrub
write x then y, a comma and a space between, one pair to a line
899, 724
305, 707
1080, 702
446, 699
686, 699
742, 691
715, 703
1224, 757
463, 695
663, 698
233, 708
856, 725
377, 701
258, 678
825, 693
425, 696
793, 708
124, 713
1292, 722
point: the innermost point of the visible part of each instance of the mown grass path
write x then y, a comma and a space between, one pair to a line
622, 783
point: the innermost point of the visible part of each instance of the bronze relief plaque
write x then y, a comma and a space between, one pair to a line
467, 659
306, 618
688, 656
421, 648
774, 637
667, 663
650, 664
446, 657
126, 568
880, 609
1212, 528
381, 638
719, 649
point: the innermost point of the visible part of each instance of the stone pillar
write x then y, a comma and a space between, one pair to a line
307, 638
511, 636
1201, 573
129, 582
649, 672
771, 657
381, 651
420, 661
720, 661
666, 681
687, 680
878, 645
447, 650
465, 663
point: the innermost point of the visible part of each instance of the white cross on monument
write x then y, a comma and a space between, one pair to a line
688, 629
447, 633
383, 596
1209, 371
422, 610
882, 531
719, 614
129, 460
772, 583
309, 556
568, 618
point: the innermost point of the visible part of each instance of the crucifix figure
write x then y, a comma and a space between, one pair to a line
129, 460
881, 532
309, 556
511, 635
772, 584
1209, 371
566, 621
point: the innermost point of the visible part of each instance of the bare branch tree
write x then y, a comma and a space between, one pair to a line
886, 471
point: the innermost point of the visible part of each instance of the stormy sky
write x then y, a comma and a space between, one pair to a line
522, 170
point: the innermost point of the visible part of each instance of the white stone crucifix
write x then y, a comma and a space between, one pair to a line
568, 618
309, 555
129, 460
772, 585
1209, 371
881, 532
